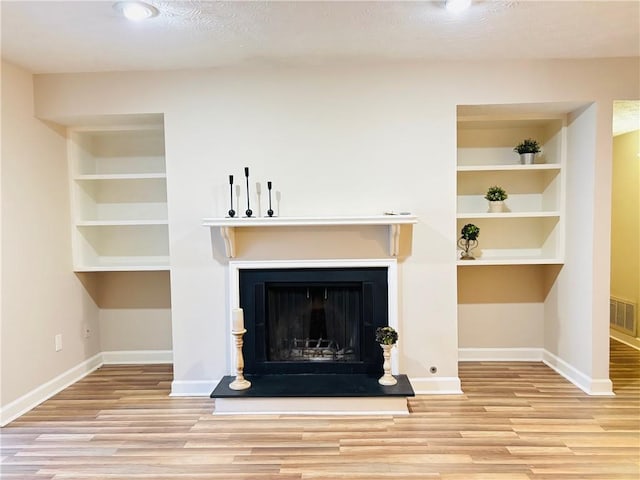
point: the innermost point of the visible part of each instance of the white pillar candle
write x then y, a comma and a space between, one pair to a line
238, 320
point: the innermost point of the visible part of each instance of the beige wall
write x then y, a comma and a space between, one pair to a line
625, 218
361, 139
501, 306
135, 310
41, 296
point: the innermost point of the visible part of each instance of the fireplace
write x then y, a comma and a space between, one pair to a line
313, 320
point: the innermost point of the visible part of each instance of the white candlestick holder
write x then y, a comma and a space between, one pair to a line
387, 378
240, 383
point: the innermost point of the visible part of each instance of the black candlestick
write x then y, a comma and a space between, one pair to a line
232, 212
248, 212
269, 212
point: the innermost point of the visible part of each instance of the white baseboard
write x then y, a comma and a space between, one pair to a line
500, 354
203, 388
436, 385
192, 388
584, 382
137, 357
38, 395
628, 340
22, 405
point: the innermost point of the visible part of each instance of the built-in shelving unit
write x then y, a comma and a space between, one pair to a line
531, 231
227, 226
119, 197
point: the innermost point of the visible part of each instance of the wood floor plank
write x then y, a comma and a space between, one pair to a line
515, 421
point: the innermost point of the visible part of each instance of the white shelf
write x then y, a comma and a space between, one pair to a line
227, 226
119, 197
516, 260
120, 176
505, 215
115, 223
126, 264
310, 221
516, 167
531, 231
111, 150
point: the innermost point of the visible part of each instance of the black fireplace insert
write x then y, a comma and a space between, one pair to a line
313, 320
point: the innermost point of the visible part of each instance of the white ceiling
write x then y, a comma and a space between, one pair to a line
80, 36
91, 36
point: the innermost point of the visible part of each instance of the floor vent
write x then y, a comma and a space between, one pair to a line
622, 316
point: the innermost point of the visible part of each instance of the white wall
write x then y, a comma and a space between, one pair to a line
332, 142
41, 296
357, 139
574, 301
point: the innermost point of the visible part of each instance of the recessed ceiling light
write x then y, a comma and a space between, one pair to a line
136, 11
456, 6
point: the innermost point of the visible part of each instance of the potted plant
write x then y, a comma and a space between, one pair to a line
387, 338
496, 196
527, 150
468, 240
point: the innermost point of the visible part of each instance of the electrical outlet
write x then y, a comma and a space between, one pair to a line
58, 342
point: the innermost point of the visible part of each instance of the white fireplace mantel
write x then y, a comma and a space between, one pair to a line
227, 226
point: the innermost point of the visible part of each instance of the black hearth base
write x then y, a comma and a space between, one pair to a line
314, 385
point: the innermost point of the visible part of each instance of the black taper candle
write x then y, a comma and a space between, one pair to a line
248, 212
232, 212
269, 212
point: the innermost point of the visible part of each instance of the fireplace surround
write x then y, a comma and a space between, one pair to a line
315, 393
313, 317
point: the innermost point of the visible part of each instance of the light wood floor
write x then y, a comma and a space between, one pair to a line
515, 421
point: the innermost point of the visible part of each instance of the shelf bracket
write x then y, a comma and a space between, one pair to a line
229, 238
394, 240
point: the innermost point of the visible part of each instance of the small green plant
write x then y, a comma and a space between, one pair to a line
496, 194
386, 335
470, 232
527, 146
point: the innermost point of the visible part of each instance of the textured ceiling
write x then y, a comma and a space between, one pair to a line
72, 36
626, 116
81, 36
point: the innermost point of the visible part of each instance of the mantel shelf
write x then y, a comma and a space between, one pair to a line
227, 226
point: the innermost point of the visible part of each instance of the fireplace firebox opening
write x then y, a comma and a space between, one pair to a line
313, 320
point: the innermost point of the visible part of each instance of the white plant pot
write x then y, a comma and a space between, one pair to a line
496, 207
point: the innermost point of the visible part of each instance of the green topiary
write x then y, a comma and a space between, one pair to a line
470, 232
527, 146
496, 194
386, 335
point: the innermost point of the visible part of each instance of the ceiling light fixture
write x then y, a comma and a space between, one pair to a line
136, 11
457, 6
